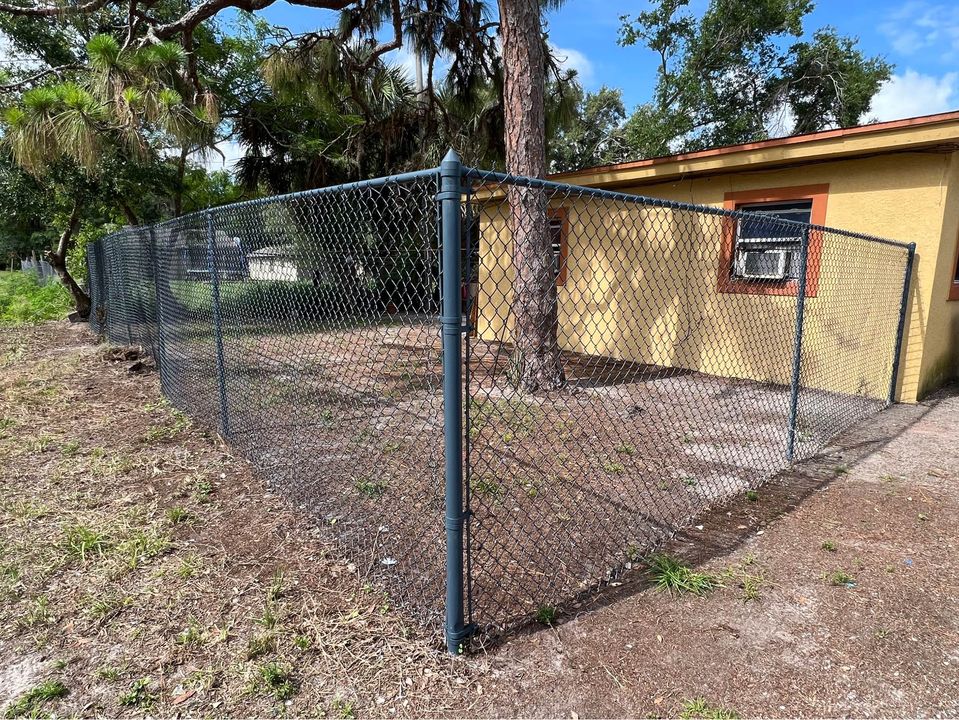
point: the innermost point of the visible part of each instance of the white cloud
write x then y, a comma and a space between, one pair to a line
212, 160
570, 59
911, 94
919, 26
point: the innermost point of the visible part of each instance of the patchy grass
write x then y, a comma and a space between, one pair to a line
84, 542
31, 703
103, 561
699, 708
487, 487
671, 575
370, 487
138, 695
277, 679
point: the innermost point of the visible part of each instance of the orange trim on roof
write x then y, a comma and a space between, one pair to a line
921, 121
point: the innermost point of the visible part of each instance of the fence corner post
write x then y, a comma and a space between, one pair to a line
797, 347
214, 273
901, 328
451, 319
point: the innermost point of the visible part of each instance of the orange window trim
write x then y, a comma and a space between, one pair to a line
561, 214
954, 286
734, 200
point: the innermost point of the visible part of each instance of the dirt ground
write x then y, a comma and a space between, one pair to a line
566, 488
148, 570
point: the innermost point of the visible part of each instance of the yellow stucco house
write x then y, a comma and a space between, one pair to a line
640, 282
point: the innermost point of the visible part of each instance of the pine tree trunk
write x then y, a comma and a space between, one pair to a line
536, 361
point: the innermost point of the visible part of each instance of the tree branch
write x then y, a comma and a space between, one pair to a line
53, 10
209, 8
58, 71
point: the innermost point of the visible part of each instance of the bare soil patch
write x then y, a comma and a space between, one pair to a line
150, 570
566, 489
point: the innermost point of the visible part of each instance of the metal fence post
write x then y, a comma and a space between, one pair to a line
901, 328
91, 289
213, 271
127, 307
797, 347
103, 321
451, 318
158, 314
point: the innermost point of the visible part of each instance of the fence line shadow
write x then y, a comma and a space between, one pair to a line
727, 526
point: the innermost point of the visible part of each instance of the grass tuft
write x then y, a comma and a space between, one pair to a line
278, 680
373, 489
31, 701
699, 708
840, 578
546, 615
81, 541
671, 575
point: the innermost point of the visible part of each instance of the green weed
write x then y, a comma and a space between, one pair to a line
373, 489
138, 695
31, 702
699, 708
142, 546
546, 615
24, 301
840, 578
178, 515
613, 467
279, 681
259, 645
486, 487
82, 542
38, 613
342, 709
671, 575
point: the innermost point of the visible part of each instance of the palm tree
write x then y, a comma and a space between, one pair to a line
128, 103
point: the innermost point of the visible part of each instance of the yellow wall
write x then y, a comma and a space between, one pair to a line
642, 280
940, 345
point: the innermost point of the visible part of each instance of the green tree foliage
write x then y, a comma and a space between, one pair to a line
595, 135
740, 70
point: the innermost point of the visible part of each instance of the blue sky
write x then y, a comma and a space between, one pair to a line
920, 37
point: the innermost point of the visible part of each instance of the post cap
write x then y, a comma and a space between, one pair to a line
451, 157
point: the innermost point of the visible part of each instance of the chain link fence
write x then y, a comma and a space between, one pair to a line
600, 368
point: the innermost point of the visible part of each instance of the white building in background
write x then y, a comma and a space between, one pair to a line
274, 262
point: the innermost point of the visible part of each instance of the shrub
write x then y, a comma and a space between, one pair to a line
24, 301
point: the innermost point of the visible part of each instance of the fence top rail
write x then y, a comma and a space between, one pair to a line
491, 176
398, 178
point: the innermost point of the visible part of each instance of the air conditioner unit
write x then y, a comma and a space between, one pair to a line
763, 264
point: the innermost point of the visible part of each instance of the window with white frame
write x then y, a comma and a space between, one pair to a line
767, 250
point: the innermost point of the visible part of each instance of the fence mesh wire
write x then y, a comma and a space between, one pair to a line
654, 381
626, 365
